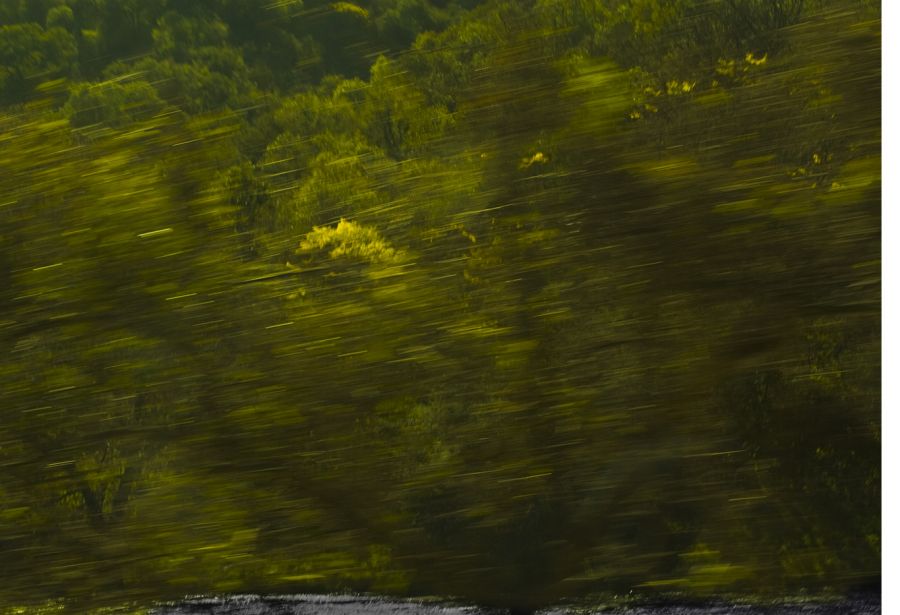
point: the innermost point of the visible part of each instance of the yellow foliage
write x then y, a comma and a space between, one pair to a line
349, 7
537, 158
349, 240
756, 61
725, 67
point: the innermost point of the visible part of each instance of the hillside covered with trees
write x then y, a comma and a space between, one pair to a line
504, 300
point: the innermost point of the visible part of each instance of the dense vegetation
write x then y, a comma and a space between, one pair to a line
508, 300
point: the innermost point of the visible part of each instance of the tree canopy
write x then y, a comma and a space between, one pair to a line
503, 300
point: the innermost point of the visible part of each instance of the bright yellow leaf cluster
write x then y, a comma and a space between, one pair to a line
349, 240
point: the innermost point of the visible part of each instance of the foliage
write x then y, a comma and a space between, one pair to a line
29, 53
507, 301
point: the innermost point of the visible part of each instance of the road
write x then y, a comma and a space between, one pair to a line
363, 605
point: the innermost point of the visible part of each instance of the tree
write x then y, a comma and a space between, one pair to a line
28, 52
115, 104
109, 318
566, 297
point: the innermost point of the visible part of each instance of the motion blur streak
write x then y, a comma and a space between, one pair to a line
507, 301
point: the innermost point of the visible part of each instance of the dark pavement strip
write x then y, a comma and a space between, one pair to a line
366, 605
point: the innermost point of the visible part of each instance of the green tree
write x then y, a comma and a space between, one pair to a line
29, 54
105, 335
507, 301
112, 103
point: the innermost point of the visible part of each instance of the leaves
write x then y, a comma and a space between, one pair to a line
349, 240
510, 302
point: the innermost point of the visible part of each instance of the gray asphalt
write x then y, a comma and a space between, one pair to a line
363, 605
